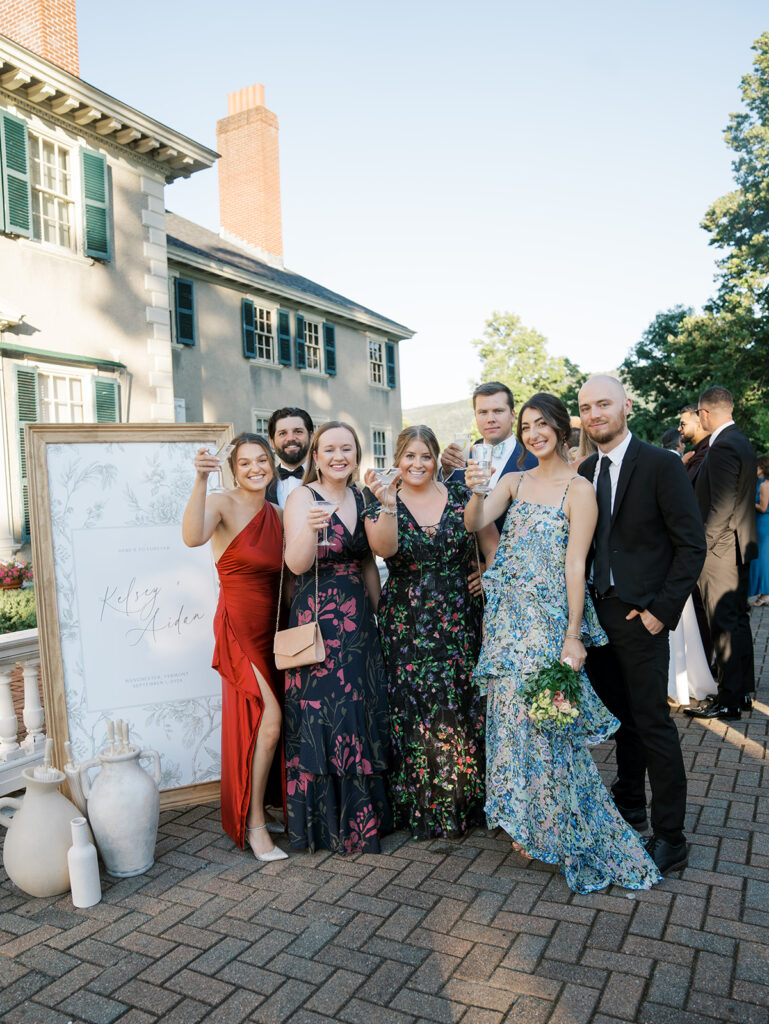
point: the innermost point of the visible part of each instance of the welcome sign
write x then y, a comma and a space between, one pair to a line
125, 609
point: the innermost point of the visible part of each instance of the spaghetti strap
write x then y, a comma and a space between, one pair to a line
518, 486
563, 499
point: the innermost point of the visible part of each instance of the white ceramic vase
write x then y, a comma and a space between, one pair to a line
39, 835
123, 808
83, 864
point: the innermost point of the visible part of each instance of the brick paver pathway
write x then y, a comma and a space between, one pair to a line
428, 932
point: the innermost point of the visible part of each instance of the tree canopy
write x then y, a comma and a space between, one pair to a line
517, 356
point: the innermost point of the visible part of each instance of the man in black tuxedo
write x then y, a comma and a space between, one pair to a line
494, 410
290, 431
647, 553
726, 493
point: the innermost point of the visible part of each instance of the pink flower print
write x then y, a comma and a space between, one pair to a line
348, 756
306, 614
293, 681
299, 785
362, 828
310, 704
348, 610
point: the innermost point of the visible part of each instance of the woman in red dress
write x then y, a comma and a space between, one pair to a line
247, 541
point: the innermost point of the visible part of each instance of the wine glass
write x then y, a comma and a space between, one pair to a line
482, 454
329, 507
221, 455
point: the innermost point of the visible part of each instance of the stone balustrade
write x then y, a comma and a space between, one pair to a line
19, 651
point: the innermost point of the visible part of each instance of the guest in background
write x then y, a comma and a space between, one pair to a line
726, 488
586, 447
693, 433
246, 540
671, 440
290, 430
430, 627
494, 409
759, 567
336, 720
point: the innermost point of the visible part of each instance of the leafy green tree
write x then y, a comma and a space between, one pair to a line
517, 356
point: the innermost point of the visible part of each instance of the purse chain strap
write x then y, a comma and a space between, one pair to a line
280, 588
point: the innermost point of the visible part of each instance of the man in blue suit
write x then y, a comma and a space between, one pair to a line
494, 409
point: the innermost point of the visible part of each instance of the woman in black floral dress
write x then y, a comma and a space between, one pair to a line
335, 717
430, 626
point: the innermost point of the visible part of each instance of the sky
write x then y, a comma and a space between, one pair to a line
442, 160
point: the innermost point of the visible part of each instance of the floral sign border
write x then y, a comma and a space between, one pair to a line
131, 476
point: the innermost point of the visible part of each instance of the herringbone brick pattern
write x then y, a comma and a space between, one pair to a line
427, 932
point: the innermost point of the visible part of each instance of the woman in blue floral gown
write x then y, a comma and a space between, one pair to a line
336, 720
430, 626
543, 787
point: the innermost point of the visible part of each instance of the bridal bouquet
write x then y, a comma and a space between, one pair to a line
552, 695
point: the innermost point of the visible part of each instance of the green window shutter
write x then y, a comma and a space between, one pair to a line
329, 348
106, 400
95, 204
301, 359
390, 363
26, 412
249, 330
16, 213
184, 297
284, 338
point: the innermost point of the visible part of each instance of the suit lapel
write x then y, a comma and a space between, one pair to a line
625, 472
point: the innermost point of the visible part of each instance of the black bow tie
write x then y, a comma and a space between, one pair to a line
284, 474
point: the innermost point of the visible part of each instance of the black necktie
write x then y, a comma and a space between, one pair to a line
602, 561
284, 474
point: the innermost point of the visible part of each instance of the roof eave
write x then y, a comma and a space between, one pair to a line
35, 84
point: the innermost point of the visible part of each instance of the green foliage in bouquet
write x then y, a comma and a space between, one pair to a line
552, 695
17, 610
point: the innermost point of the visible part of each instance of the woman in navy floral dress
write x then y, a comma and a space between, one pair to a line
543, 787
335, 717
429, 622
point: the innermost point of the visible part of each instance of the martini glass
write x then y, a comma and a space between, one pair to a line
221, 455
329, 507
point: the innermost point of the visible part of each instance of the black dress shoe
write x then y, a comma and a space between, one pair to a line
666, 856
635, 816
747, 703
715, 710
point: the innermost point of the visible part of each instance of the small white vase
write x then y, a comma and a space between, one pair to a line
83, 864
123, 809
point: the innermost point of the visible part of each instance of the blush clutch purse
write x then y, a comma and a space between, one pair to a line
298, 645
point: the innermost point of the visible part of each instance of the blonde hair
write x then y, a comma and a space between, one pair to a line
311, 473
417, 433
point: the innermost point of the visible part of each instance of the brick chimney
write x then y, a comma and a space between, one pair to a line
47, 27
249, 173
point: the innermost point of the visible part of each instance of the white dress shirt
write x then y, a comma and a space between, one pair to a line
498, 462
285, 487
615, 457
717, 431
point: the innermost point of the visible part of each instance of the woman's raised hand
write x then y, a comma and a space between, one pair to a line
205, 462
383, 493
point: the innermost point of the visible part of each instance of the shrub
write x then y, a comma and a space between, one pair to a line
17, 610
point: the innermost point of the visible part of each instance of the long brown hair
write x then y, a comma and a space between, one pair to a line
311, 473
246, 438
417, 433
555, 414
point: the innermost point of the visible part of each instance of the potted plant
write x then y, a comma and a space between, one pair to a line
14, 574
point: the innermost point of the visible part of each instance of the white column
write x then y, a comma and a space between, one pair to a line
33, 714
9, 725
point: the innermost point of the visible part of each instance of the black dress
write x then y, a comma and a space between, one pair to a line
335, 718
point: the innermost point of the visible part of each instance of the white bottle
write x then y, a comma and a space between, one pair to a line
83, 864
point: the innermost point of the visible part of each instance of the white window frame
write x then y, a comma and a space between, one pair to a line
387, 437
317, 330
261, 315
377, 369
256, 416
35, 137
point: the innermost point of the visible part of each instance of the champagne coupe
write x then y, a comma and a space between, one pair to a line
482, 454
465, 443
329, 507
221, 455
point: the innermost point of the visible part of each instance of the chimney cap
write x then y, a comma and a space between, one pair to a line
245, 99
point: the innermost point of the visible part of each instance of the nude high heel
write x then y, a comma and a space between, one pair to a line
274, 854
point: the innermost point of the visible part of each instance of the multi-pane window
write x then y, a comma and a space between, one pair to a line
61, 398
259, 421
312, 346
265, 348
379, 447
53, 206
376, 366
